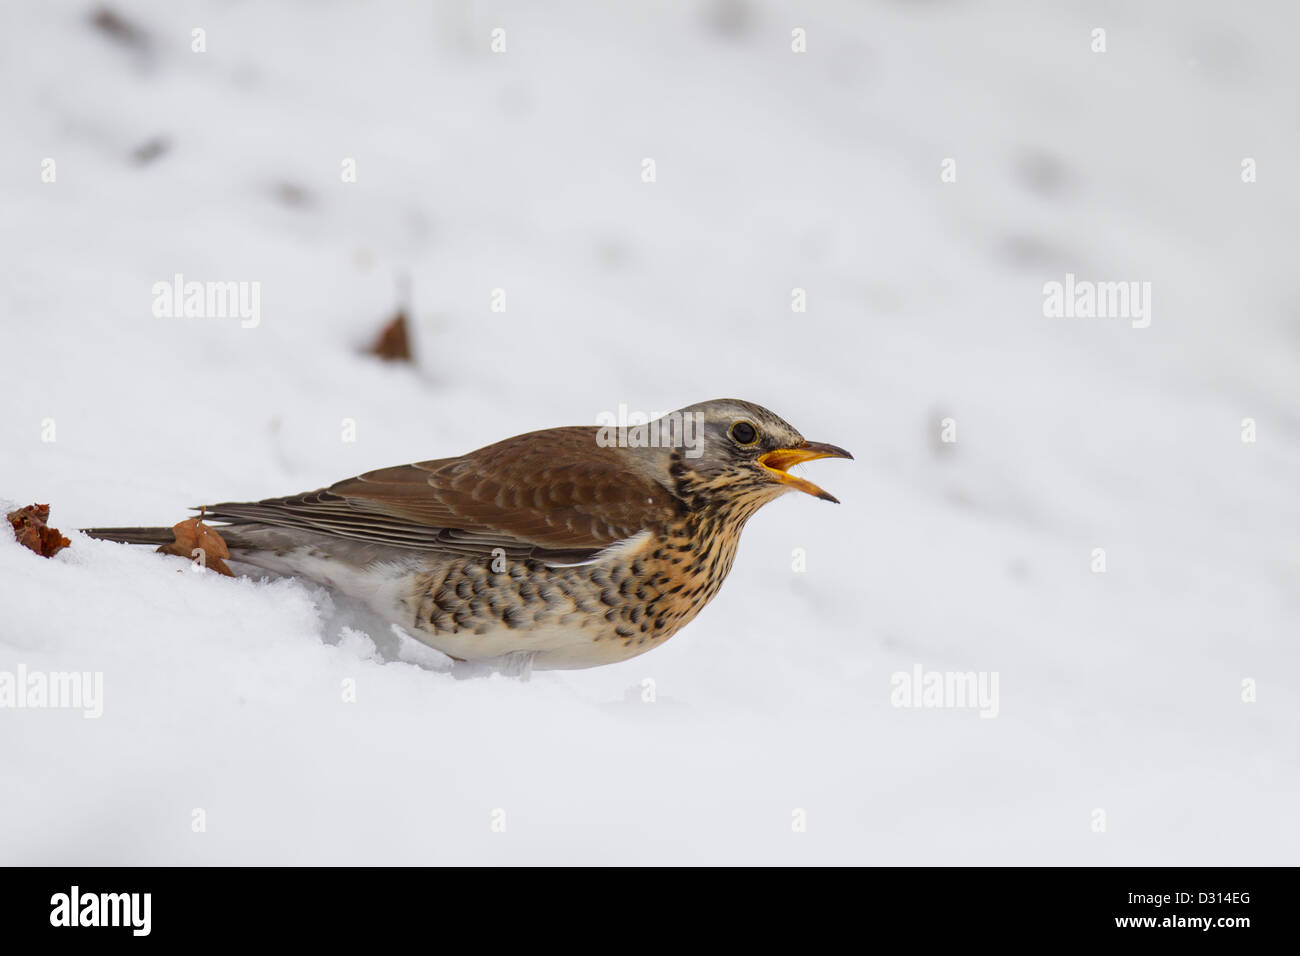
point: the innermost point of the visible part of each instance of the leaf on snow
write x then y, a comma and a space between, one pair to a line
32, 532
192, 535
394, 342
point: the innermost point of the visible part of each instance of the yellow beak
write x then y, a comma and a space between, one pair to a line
776, 463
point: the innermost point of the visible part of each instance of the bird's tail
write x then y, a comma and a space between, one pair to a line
133, 535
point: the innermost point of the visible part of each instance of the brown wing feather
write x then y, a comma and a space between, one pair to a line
554, 491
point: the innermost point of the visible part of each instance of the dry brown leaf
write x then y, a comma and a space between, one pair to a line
32, 532
193, 535
119, 29
394, 343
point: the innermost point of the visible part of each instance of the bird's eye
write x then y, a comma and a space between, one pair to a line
743, 433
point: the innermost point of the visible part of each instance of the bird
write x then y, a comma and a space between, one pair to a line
558, 549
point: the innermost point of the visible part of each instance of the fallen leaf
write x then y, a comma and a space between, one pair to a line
193, 535
393, 344
119, 29
32, 532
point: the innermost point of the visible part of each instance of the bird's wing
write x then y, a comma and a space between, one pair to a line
555, 494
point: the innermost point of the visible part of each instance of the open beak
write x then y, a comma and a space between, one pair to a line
776, 463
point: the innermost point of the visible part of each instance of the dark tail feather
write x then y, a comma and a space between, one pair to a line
132, 535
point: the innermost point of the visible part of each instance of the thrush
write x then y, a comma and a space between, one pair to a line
561, 548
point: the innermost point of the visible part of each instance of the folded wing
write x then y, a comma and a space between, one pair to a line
553, 495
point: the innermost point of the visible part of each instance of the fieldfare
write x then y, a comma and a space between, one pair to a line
562, 548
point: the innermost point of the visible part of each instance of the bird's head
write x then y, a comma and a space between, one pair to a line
729, 451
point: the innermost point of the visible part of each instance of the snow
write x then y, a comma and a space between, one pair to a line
307, 732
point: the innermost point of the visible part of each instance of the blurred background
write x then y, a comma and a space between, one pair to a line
911, 174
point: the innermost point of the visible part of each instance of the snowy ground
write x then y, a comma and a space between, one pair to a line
521, 171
